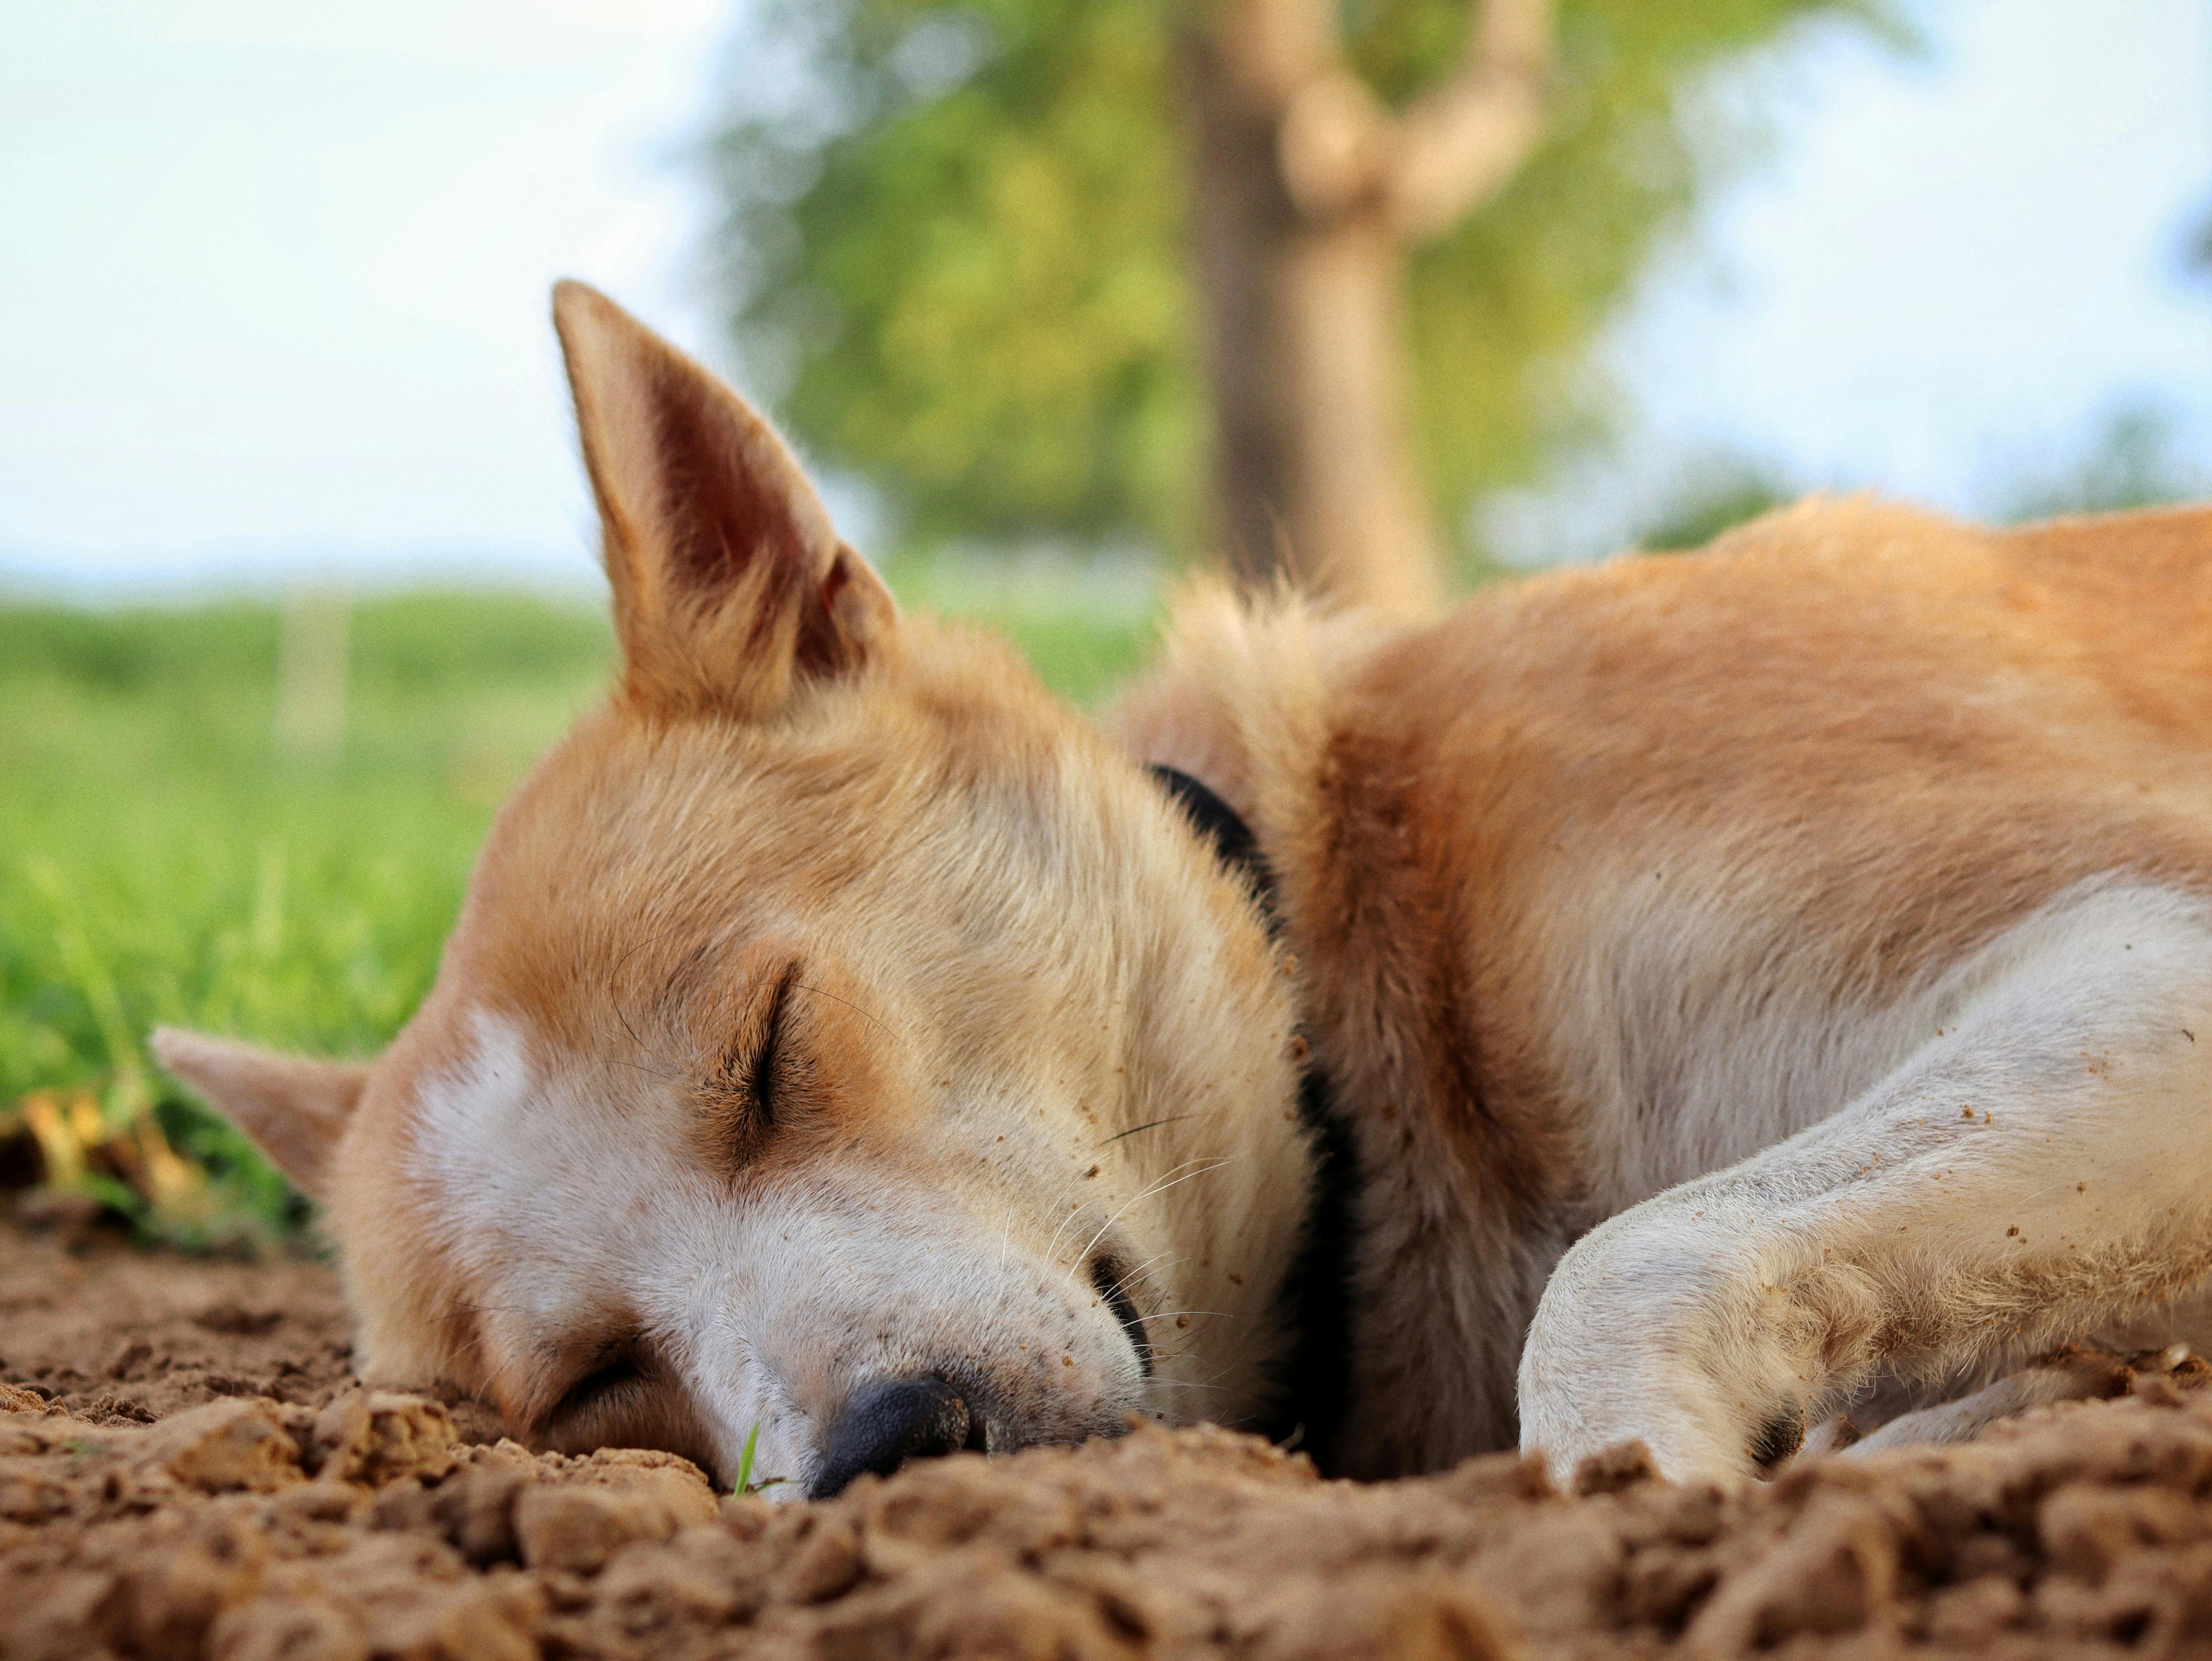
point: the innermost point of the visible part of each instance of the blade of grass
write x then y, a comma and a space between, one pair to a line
745, 1460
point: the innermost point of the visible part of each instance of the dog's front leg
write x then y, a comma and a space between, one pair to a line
2042, 1165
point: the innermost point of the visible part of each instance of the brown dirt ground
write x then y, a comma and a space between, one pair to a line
186, 1470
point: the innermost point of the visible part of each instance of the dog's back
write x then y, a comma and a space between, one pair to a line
1608, 879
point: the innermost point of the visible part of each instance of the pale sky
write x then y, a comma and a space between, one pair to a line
1955, 268
274, 276
1953, 260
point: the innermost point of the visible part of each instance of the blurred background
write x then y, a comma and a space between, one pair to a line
1060, 299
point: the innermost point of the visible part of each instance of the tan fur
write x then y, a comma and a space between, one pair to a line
1888, 735
1621, 903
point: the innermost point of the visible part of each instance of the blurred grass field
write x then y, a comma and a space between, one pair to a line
169, 858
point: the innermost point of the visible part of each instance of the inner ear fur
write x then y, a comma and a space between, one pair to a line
730, 586
293, 1108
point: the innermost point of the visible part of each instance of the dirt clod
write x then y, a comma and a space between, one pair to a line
236, 1443
313, 1520
373, 1438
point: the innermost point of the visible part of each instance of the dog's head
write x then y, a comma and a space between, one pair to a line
840, 1041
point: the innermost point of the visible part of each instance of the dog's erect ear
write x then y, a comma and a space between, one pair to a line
293, 1108
729, 583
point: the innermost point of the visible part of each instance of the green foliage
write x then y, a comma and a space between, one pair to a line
2133, 458
964, 250
981, 273
165, 864
2133, 461
1716, 495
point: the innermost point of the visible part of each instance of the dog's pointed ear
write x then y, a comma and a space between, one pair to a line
730, 586
293, 1108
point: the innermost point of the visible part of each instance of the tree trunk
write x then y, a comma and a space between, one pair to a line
1358, 503
1314, 474
1307, 198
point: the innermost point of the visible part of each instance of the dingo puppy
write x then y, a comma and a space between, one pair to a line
1661, 1001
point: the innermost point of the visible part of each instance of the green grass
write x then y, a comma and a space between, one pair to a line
165, 860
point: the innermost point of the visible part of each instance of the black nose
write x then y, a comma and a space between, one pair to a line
886, 1424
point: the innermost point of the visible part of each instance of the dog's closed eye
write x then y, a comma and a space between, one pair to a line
629, 1397
615, 1381
762, 1076
751, 1087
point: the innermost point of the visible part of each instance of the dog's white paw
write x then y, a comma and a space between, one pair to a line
1683, 1351
1586, 1388
1690, 1435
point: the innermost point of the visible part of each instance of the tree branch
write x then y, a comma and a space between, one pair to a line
1340, 150
1335, 143
1459, 143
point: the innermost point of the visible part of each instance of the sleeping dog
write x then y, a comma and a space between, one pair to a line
1668, 1002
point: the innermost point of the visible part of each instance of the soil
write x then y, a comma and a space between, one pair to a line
186, 1470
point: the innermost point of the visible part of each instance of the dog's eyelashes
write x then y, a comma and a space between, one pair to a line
1111, 1281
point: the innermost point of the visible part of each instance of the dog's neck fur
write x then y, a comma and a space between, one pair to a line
1315, 1296
1258, 703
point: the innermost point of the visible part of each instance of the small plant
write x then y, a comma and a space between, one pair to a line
744, 1483
745, 1460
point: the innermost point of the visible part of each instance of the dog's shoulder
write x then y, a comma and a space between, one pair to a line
1245, 693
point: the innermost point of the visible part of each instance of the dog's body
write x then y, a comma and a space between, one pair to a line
1738, 980
1756, 873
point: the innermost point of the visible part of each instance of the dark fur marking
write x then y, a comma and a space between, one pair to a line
1317, 1294
1779, 1438
1111, 1282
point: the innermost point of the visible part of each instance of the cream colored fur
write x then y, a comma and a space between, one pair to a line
1751, 985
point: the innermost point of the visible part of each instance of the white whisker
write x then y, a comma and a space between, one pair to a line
1160, 1187
1074, 1211
1122, 1284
